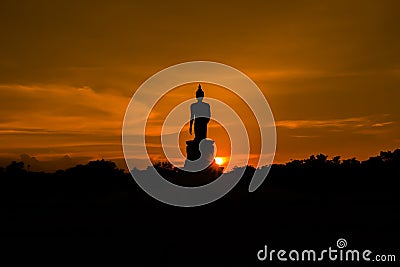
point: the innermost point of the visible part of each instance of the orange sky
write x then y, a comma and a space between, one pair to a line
330, 71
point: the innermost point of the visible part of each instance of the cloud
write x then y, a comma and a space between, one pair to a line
54, 120
382, 124
304, 136
353, 122
271, 75
59, 108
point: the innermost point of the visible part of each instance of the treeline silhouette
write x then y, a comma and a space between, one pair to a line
185, 178
317, 171
303, 202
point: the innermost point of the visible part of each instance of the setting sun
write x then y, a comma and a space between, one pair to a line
219, 160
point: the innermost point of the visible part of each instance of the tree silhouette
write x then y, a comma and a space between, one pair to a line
15, 168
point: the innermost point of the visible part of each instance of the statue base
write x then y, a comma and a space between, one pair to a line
200, 154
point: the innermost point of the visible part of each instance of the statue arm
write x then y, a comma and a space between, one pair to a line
191, 119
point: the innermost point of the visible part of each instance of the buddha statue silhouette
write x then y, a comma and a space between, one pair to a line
199, 113
200, 150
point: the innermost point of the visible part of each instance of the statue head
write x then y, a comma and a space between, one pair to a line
199, 93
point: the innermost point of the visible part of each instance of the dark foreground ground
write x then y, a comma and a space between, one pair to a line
98, 212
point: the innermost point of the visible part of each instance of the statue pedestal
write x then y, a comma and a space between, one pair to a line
200, 155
